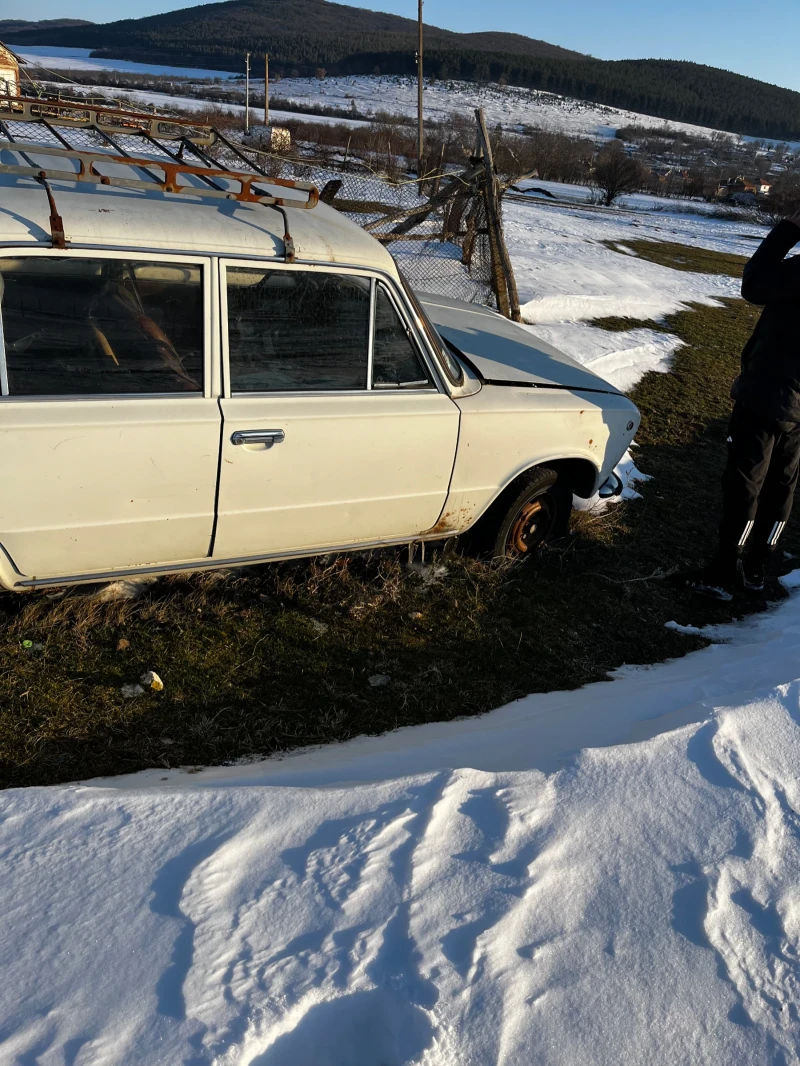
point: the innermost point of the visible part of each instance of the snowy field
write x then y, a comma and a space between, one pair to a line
80, 59
474, 893
566, 277
510, 106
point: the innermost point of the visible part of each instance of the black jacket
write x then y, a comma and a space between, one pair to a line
769, 382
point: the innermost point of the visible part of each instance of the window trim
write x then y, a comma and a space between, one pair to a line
434, 341
411, 334
375, 277
210, 345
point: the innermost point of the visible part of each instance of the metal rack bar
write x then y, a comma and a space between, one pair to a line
177, 158
88, 162
84, 114
153, 130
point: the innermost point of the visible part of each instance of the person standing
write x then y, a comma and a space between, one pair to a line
760, 477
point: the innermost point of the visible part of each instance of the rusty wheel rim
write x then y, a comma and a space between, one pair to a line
530, 527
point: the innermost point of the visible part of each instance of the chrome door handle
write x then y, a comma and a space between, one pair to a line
258, 436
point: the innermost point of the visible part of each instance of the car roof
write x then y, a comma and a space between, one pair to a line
121, 218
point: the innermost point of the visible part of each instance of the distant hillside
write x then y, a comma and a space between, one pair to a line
236, 24
10, 26
350, 40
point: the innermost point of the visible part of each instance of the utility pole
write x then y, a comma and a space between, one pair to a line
266, 88
247, 92
420, 134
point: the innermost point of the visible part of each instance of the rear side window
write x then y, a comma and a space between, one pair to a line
297, 330
396, 361
101, 326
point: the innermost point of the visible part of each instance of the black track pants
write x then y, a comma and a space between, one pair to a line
759, 482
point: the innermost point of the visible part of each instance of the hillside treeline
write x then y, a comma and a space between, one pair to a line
673, 90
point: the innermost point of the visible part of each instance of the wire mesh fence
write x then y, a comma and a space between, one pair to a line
438, 238
436, 230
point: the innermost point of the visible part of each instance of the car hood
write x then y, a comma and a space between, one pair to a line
503, 352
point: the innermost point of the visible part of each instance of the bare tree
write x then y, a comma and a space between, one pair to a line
615, 173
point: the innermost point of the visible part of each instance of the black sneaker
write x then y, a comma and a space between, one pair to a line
751, 573
713, 580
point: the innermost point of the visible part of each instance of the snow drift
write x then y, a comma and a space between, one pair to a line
478, 892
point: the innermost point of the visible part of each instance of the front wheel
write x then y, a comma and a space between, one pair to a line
531, 512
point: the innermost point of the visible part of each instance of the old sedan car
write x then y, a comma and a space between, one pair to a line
183, 387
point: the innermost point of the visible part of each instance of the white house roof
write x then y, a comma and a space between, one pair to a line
105, 216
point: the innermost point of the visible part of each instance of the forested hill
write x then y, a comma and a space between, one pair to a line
11, 26
305, 32
304, 35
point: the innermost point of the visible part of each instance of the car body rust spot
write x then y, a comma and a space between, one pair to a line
451, 520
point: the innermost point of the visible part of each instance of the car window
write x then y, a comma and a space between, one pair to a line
396, 361
451, 365
101, 326
297, 330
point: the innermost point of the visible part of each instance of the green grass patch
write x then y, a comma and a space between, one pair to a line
683, 257
272, 658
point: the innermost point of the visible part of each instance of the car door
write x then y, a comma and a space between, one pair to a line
335, 430
109, 434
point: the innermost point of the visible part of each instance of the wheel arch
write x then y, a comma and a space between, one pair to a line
579, 474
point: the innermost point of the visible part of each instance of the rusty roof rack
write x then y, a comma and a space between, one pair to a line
110, 131
86, 114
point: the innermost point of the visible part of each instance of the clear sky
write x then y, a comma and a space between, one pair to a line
761, 40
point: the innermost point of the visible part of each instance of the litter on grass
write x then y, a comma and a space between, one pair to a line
151, 680
130, 692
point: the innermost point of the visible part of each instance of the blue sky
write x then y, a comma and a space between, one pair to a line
740, 35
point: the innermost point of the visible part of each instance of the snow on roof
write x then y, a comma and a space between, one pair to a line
98, 215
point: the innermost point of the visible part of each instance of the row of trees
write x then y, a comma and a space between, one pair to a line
217, 35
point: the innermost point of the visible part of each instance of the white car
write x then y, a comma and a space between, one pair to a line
177, 393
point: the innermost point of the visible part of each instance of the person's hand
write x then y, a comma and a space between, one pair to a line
794, 218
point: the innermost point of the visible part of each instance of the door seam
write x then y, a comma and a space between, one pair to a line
219, 479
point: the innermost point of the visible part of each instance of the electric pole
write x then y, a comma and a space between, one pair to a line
420, 134
266, 88
247, 92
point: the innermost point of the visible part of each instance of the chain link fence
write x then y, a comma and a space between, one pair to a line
441, 247
436, 230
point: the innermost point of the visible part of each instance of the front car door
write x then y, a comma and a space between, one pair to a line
109, 435
336, 430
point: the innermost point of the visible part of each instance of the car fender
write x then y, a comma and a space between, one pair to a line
506, 431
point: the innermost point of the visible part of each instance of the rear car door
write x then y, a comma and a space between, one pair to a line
109, 434
336, 430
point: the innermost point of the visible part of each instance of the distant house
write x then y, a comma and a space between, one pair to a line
742, 189
9, 71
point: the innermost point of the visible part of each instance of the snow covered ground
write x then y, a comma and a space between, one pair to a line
567, 277
511, 106
54, 58
475, 893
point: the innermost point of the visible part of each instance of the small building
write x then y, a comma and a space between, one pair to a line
270, 138
740, 189
9, 71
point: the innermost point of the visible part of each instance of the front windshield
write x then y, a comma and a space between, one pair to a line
442, 347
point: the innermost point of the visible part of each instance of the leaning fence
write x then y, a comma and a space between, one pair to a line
444, 229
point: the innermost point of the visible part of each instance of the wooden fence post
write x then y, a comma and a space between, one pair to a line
505, 284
